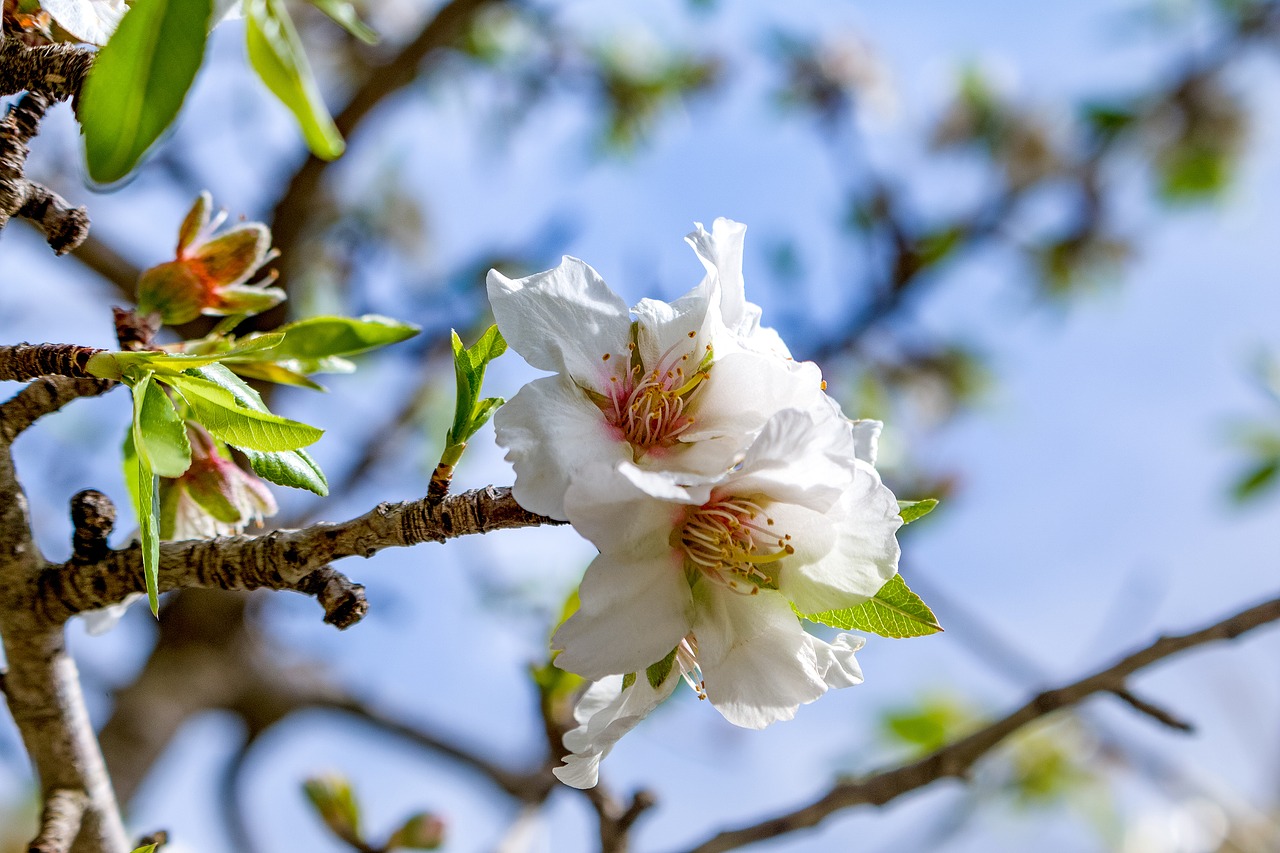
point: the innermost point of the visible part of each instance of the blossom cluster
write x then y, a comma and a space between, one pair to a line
726, 492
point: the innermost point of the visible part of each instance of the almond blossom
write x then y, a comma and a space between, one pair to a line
666, 386
719, 563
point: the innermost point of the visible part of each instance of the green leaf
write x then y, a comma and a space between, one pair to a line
103, 364
293, 468
322, 337
265, 371
894, 611
159, 434
344, 15
149, 848
470, 413
141, 481
229, 417
658, 672
912, 510
276, 53
1256, 480
139, 81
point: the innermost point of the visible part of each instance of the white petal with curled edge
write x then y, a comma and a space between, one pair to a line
757, 662
866, 439
564, 320
605, 713
91, 21
836, 662
864, 555
550, 430
632, 613
720, 251
798, 460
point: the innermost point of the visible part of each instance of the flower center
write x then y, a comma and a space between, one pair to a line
725, 542
651, 407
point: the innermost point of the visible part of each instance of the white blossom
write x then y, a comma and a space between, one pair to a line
681, 386
801, 521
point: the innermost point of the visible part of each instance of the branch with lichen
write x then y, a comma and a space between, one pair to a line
955, 759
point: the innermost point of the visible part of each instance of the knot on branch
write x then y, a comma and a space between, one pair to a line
64, 227
134, 333
343, 600
93, 516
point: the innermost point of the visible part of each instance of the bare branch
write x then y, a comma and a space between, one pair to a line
57, 70
64, 227
281, 559
955, 759
59, 821
43, 397
293, 210
21, 362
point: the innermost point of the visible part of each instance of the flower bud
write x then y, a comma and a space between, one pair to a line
421, 832
209, 273
213, 497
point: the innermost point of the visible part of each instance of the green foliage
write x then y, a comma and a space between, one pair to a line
317, 338
149, 848
139, 81
913, 510
929, 725
344, 15
895, 611
420, 832
160, 436
237, 418
1257, 479
277, 55
471, 412
141, 481
657, 673
292, 468
334, 800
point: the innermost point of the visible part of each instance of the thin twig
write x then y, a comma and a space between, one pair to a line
59, 821
954, 760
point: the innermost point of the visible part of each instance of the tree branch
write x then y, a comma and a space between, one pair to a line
43, 397
64, 226
60, 821
30, 361
57, 70
954, 760
282, 559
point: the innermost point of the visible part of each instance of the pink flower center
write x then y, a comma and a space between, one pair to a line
650, 408
725, 542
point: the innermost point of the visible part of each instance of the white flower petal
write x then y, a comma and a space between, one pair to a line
721, 253
91, 21
563, 320
836, 662
743, 390
632, 613
615, 510
866, 439
605, 713
797, 459
864, 555
551, 430
757, 662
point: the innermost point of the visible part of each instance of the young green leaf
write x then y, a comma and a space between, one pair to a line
657, 673
470, 413
293, 468
344, 15
230, 417
894, 611
159, 434
139, 81
276, 53
321, 337
141, 481
279, 374
913, 510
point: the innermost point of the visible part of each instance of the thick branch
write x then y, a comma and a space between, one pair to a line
57, 70
60, 821
955, 759
21, 362
281, 559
